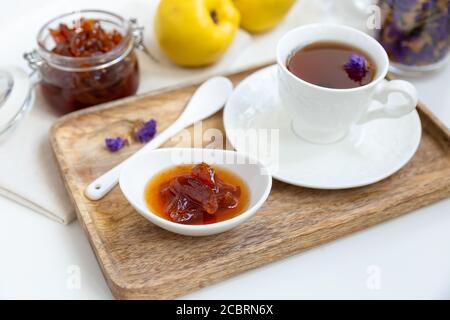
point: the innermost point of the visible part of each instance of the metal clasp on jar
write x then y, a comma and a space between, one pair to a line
34, 61
138, 36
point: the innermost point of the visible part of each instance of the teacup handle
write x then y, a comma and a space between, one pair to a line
391, 110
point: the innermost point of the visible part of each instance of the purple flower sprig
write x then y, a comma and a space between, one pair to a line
141, 131
115, 144
356, 67
144, 132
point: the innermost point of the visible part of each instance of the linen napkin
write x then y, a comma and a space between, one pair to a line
28, 170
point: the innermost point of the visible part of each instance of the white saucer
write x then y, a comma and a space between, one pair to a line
368, 154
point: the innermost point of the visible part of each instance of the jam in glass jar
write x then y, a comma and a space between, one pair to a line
86, 58
415, 34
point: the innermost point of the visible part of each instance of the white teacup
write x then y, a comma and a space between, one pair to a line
324, 115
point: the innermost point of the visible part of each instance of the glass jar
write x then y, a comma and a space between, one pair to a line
71, 83
415, 33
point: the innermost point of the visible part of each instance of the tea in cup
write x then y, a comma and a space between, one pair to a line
332, 77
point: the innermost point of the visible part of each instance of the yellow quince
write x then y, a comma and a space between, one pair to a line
195, 33
262, 15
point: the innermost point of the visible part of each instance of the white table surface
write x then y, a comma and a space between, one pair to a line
407, 257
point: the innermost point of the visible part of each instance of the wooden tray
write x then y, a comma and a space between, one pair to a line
140, 260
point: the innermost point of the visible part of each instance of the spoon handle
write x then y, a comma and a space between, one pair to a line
103, 184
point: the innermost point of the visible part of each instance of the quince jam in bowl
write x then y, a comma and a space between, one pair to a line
86, 58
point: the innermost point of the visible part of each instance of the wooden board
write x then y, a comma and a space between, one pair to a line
140, 260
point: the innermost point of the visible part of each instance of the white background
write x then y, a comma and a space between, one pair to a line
410, 254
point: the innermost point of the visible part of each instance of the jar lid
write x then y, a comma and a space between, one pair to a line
16, 96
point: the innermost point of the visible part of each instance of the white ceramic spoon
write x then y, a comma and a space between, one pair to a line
209, 98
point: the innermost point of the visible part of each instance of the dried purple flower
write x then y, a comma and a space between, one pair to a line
115, 144
146, 132
356, 67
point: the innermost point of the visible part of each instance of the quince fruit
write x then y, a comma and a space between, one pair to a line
195, 33
262, 15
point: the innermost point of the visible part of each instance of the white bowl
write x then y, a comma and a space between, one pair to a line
139, 170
